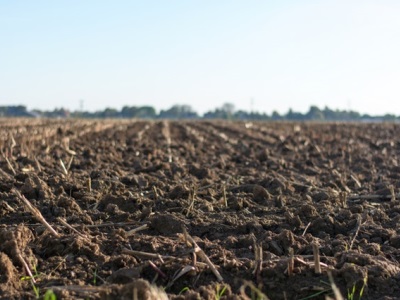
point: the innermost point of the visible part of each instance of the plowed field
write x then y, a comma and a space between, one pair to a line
199, 210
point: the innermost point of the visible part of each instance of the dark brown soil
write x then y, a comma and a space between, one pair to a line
255, 197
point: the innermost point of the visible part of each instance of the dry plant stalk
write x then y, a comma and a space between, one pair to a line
167, 134
12, 144
224, 196
155, 192
65, 143
258, 252
202, 255
356, 232
392, 193
357, 182
194, 258
10, 165
336, 291
146, 255
36, 213
70, 162
135, 230
299, 260
291, 262
64, 169
89, 184
317, 264
8, 207
161, 258
38, 166
109, 224
5, 174
179, 274
193, 199
157, 269
372, 197
343, 199
28, 270
62, 221
305, 229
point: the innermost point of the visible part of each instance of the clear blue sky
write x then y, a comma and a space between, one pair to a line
283, 54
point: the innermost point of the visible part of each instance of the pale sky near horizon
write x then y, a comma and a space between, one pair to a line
282, 54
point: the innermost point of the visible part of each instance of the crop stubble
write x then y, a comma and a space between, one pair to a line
192, 207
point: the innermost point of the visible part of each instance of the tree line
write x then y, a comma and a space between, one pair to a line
226, 111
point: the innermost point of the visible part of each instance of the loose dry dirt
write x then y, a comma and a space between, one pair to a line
256, 198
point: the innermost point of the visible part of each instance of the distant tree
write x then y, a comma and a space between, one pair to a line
57, 113
329, 114
242, 115
178, 112
217, 114
276, 116
110, 113
129, 111
389, 117
314, 114
227, 111
354, 116
15, 111
294, 116
146, 112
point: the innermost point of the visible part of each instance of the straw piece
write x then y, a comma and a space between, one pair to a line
36, 213
317, 265
203, 256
